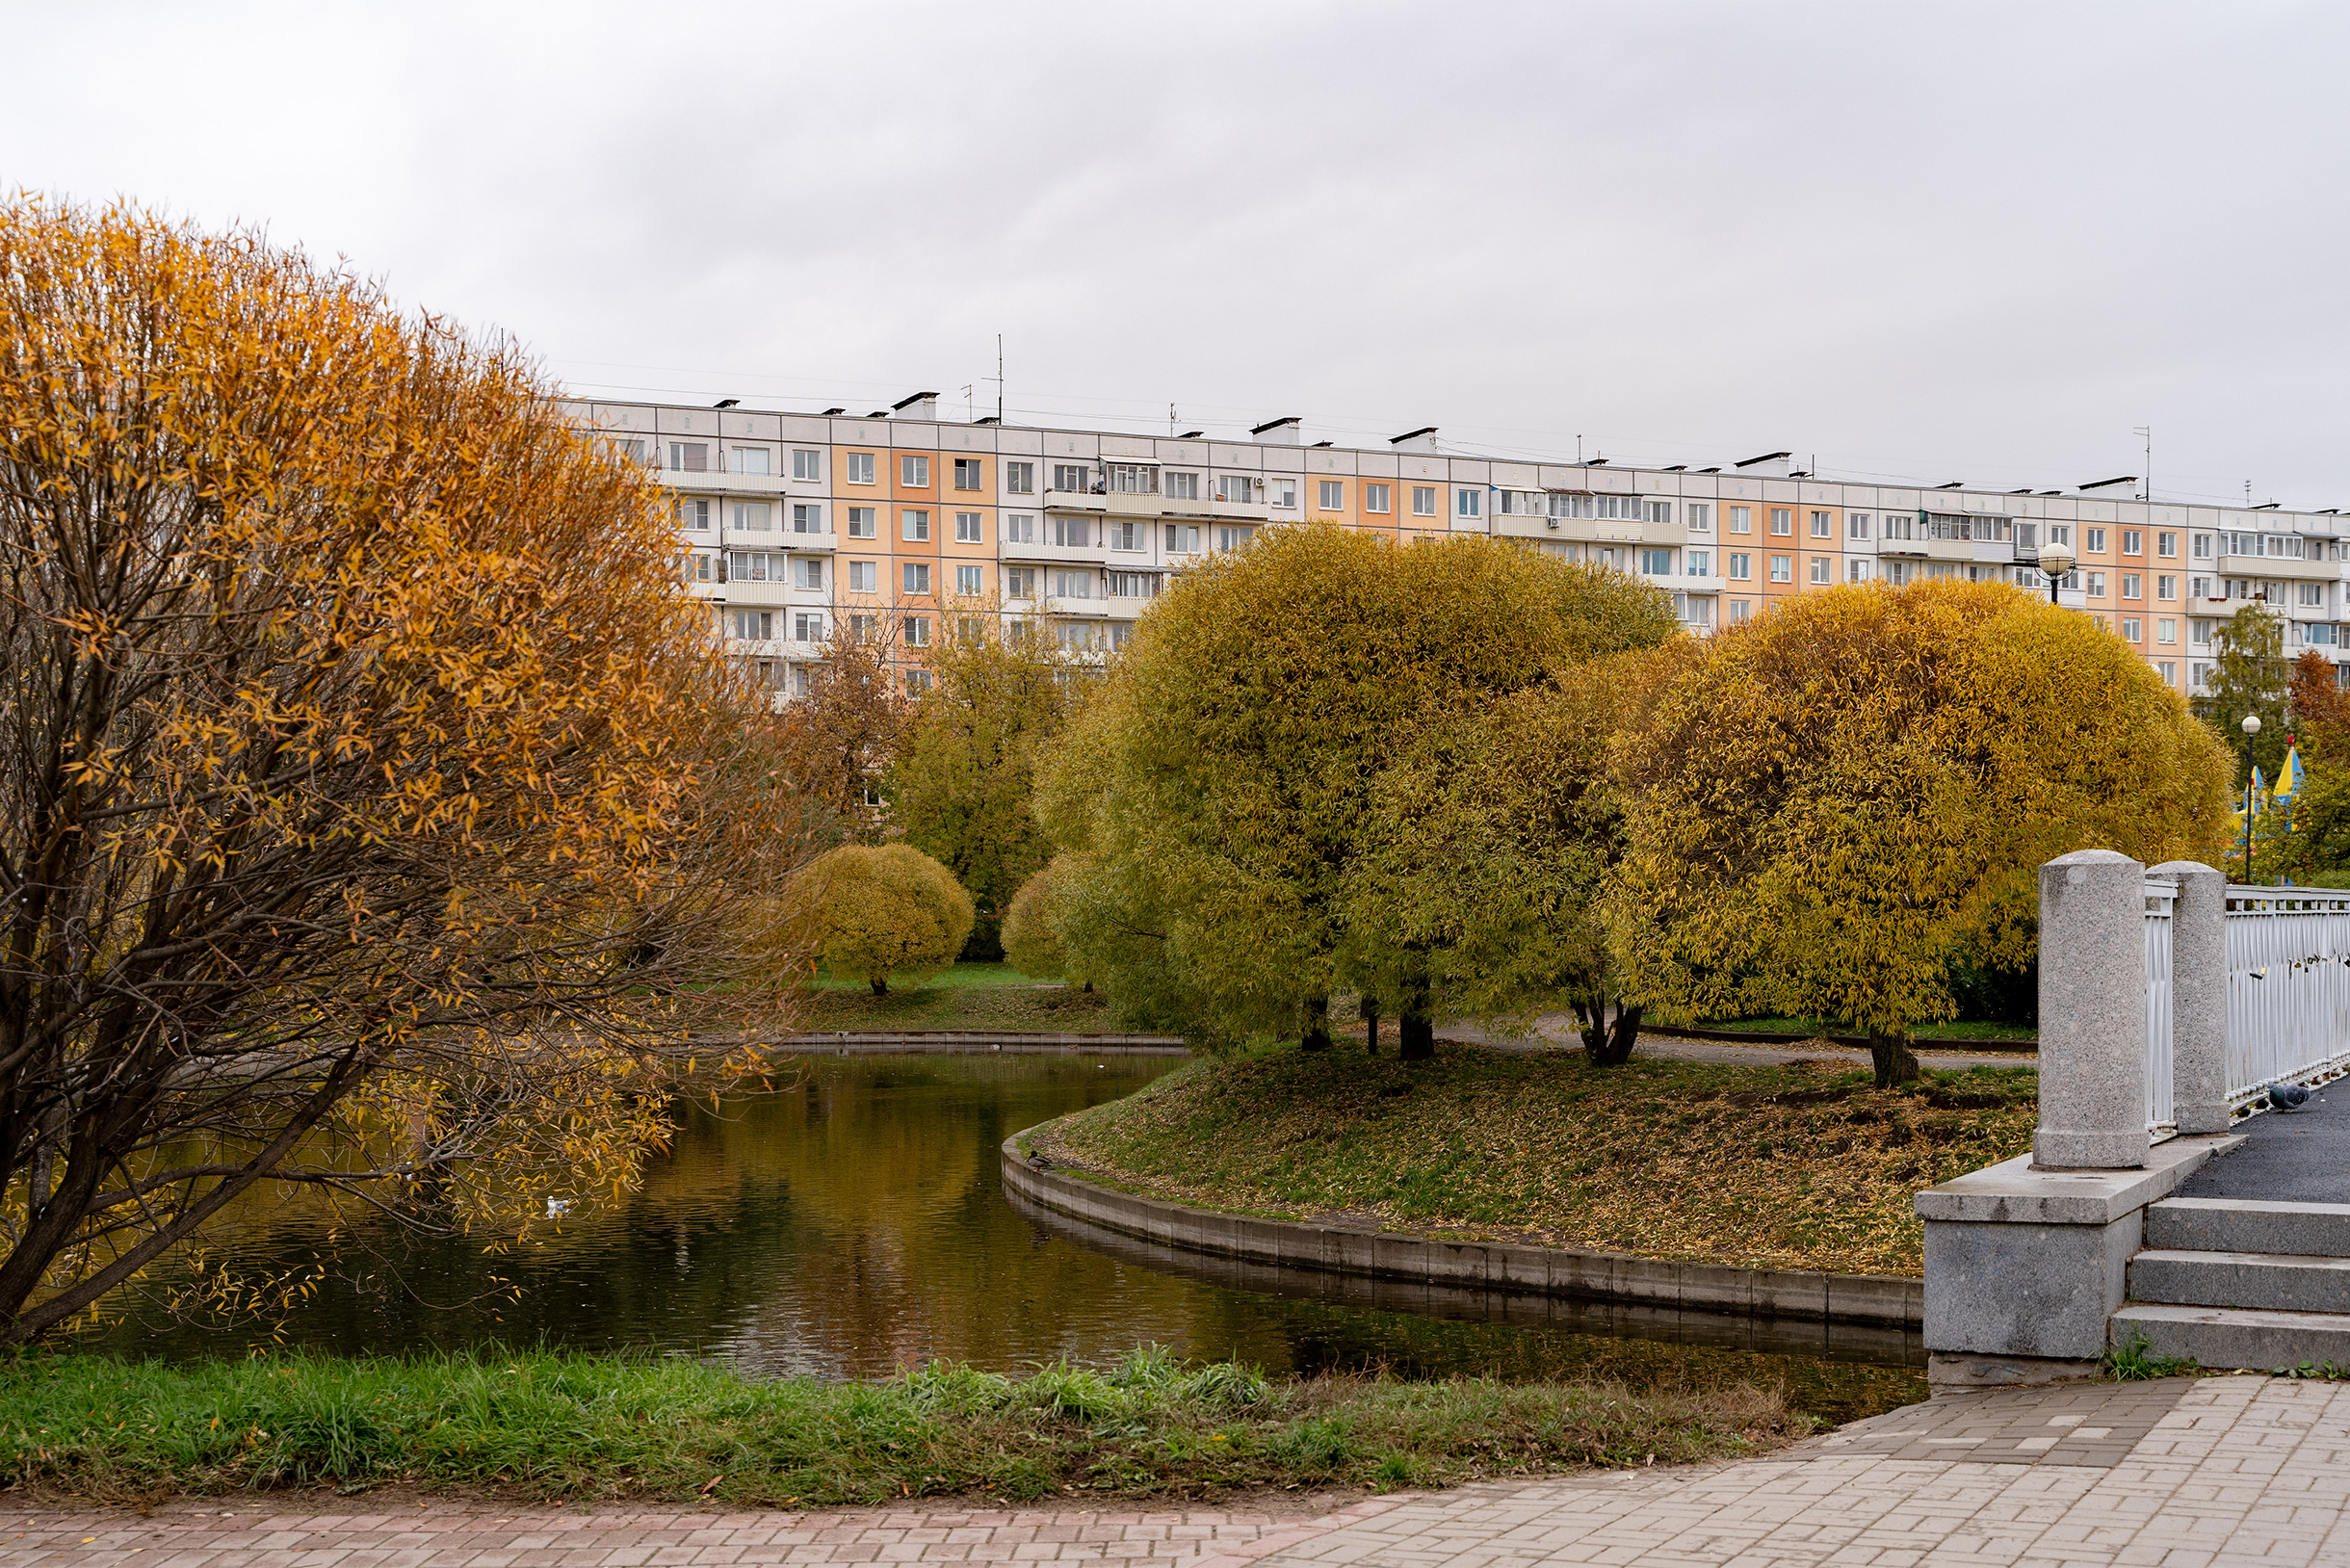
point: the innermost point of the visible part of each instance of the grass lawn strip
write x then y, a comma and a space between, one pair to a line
1803, 1166
555, 1426
1022, 1008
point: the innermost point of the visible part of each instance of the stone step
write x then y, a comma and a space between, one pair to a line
2271, 1281
2320, 1229
2225, 1336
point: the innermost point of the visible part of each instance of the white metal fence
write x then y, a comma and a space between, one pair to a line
2161, 894
2289, 988
2289, 992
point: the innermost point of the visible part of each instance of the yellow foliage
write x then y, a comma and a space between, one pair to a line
1840, 800
874, 912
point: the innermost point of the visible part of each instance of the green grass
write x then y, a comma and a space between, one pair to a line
1964, 1029
962, 1004
956, 978
1797, 1166
559, 1425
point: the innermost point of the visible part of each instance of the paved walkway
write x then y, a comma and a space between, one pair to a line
2184, 1472
2300, 1156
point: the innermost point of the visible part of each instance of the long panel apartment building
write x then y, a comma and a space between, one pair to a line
899, 521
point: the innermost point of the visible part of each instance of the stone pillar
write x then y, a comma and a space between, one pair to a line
2092, 1014
2199, 996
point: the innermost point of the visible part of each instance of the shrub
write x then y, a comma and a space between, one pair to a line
878, 912
1031, 937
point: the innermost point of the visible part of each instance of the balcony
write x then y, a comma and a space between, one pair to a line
814, 544
712, 481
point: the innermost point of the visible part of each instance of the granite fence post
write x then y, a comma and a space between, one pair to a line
2092, 1014
2199, 996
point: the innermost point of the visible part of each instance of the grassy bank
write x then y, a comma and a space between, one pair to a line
1963, 1030
966, 996
551, 1425
1802, 1166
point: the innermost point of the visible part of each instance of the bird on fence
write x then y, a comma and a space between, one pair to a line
2286, 1096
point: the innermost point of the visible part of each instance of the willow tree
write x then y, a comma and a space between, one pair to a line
1217, 790
872, 912
1837, 803
369, 794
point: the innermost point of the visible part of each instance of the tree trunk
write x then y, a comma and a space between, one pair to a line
1415, 1037
1370, 1024
879, 983
1891, 1056
1315, 1037
1609, 1042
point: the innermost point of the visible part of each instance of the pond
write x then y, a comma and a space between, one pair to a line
855, 1224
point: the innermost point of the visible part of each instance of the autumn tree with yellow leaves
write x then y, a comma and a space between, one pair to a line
872, 911
370, 798
1840, 799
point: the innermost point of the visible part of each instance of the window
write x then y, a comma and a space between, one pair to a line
697, 567
808, 572
808, 517
807, 465
1071, 476
2060, 533
1472, 503
1020, 479
749, 460
1699, 563
1232, 538
1655, 563
1424, 500
1822, 568
1020, 583
2096, 585
1019, 528
1285, 492
751, 516
1133, 585
1127, 535
2027, 536
1701, 517
1740, 611
914, 471
1821, 525
917, 682
865, 628
2130, 627
1234, 487
967, 528
2097, 542
2199, 588
1783, 568
1072, 585
2166, 544
626, 450
1742, 567
1856, 570
2166, 630
1133, 478
914, 526
1078, 637
1856, 525
693, 515
2313, 593
860, 468
966, 473
2169, 671
2202, 546
690, 456
1180, 487
1070, 531
1333, 495
1183, 538
1741, 520
1782, 521
1374, 497
862, 521
916, 630
2134, 541
2166, 588
808, 626
968, 579
754, 625
2134, 586
863, 576
917, 577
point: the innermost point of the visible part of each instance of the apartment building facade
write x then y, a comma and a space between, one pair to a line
901, 523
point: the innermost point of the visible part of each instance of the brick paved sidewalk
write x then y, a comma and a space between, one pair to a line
2181, 1474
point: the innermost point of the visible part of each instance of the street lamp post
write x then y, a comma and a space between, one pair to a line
2056, 560
2252, 730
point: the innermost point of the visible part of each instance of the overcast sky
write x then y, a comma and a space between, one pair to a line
1910, 241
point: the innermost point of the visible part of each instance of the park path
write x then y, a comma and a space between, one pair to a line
2182, 1473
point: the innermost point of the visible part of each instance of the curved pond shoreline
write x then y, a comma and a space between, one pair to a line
1874, 1301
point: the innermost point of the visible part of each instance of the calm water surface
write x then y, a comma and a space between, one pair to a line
857, 1225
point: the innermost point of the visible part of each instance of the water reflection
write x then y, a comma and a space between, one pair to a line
857, 1225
